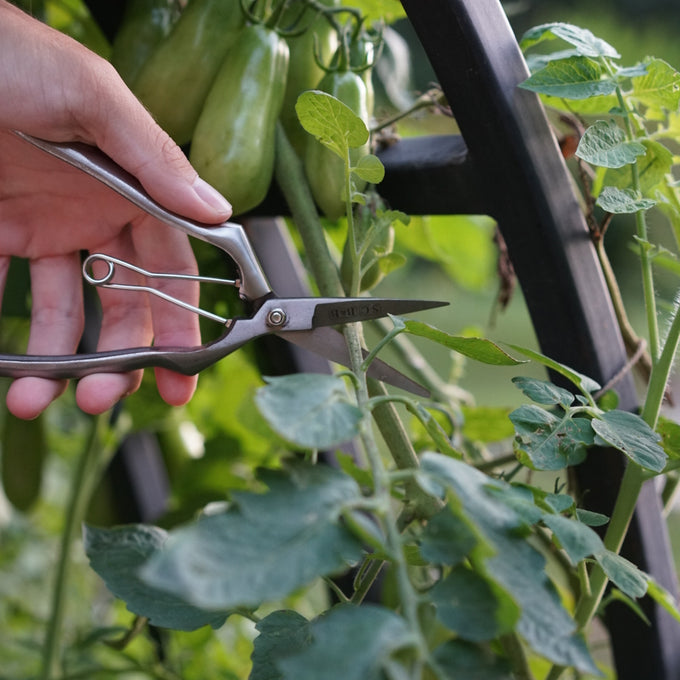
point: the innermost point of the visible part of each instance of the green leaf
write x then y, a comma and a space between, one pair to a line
622, 573
511, 561
604, 143
370, 169
585, 384
264, 546
617, 596
559, 502
118, 554
546, 442
472, 607
348, 643
478, 349
662, 597
592, 519
539, 60
658, 89
308, 409
578, 540
630, 434
653, 168
670, 436
574, 78
635, 71
520, 499
622, 201
446, 539
587, 44
543, 392
391, 262
594, 106
667, 197
331, 121
457, 659
280, 633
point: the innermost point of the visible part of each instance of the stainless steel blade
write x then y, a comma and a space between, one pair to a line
329, 343
363, 309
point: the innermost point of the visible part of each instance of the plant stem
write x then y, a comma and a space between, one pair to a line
630, 338
661, 372
89, 467
428, 100
382, 492
397, 440
634, 476
641, 228
647, 278
291, 179
364, 585
411, 356
293, 184
669, 493
631, 485
512, 646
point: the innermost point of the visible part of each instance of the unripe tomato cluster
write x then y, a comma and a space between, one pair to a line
218, 78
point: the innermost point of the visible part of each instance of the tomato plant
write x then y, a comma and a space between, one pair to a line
470, 555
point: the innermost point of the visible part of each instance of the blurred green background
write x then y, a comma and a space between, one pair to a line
637, 28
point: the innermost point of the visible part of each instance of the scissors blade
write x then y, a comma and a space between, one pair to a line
330, 344
332, 313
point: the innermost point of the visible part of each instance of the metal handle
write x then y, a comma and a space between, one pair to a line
228, 236
293, 314
186, 360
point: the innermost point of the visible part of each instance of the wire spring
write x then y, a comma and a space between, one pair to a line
106, 281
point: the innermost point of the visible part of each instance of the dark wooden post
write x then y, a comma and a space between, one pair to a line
516, 164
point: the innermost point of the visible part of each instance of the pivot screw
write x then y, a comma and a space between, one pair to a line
276, 317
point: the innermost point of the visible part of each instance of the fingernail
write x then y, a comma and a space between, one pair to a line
209, 195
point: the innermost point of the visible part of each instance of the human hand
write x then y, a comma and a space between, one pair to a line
56, 89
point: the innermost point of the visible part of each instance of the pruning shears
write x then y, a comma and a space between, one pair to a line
308, 322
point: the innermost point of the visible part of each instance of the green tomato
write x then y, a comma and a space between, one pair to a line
176, 79
325, 170
145, 24
24, 450
233, 145
303, 71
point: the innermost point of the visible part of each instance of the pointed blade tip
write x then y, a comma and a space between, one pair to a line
407, 306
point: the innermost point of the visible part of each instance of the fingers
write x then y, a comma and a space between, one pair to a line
56, 326
172, 325
57, 319
67, 92
133, 318
123, 129
125, 323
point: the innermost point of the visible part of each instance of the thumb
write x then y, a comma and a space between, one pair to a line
128, 134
